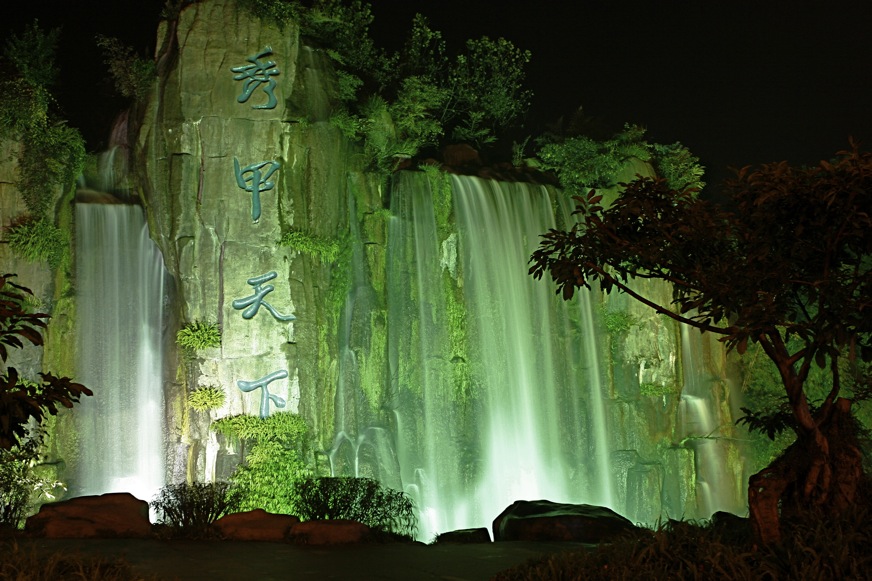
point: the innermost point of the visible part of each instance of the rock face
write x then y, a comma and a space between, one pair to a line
233, 151
543, 520
255, 525
105, 516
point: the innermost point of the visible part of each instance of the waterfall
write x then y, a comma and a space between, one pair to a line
120, 296
504, 391
520, 413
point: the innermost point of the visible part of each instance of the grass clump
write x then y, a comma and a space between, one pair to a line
206, 398
276, 452
188, 509
199, 335
359, 499
325, 250
30, 565
815, 546
37, 240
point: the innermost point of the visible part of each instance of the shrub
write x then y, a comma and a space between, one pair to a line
360, 499
20, 487
326, 250
133, 75
189, 509
206, 398
199, 335
275, 458
37, 240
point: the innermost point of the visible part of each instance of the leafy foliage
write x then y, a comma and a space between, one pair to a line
189, 509
280, 12
53, 153
133, 75
582, 162
32, 54
274, 459
206, 398
22, 401
20, 486
198, 335
360, 499
37, 240
326, 250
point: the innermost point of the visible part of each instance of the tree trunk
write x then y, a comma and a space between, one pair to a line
821, 469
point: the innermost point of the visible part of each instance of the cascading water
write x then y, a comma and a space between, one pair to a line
498, 399
503, 391
120, 297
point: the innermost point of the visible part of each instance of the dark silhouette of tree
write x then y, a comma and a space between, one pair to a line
787, 265
22, 400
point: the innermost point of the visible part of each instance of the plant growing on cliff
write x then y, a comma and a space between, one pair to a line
199, 335
133, 75
789, 260
322, 248
359, 499
275, 452
37, 240
53, 153
206, 398
582, 162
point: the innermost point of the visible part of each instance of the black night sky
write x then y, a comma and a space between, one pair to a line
738, 82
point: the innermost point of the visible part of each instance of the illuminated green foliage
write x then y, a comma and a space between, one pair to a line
206, 398
359, 499
618, 322
189, 509
325, 250
274, 460
581, 162
37, 240
199, 335
21, 487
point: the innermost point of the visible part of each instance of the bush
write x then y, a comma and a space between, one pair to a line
37, 240
20, 487
360, 499
189, 509
133, 75
325, 250
199, 335
206, 398
274, 460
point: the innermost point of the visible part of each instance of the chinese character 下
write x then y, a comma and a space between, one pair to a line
266, 396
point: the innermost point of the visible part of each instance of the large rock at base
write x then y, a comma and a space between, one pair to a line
105, 516
465, 536
543, 520
329, 532
255, 525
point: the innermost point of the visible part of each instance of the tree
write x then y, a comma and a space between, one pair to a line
22, 400
787, 266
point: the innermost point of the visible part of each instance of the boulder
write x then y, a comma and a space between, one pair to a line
255, 525
329, 532
105, 516
479, 535
543, 520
